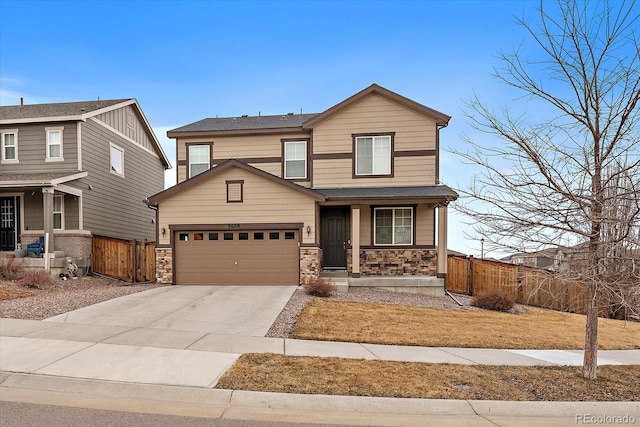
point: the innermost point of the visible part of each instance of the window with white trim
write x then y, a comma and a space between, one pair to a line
295, 159
116, 159
54, 144
393, 226
373, 155
199, 159
9, 146
58, 212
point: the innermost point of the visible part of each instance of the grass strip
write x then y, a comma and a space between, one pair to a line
353, 377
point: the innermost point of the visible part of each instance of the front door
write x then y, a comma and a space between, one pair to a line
334, 237
7, 223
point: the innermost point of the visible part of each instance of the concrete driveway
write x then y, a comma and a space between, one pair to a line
224, 310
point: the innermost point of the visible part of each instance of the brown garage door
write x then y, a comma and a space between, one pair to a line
238, 257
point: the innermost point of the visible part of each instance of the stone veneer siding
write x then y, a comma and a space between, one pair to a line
396, 262
164, 265
310, 263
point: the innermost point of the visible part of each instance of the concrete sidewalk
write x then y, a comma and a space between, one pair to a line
163, 353
198, 359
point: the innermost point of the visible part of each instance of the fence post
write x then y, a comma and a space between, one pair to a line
134, 259
469, 276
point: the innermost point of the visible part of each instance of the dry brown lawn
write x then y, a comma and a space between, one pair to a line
327, 320
351, 377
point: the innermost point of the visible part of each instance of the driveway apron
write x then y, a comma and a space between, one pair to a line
225, 310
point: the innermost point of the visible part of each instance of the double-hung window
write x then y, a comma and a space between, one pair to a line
58, 210
54, 144
295, 159
393, 226
9, 147
199, 159
373, 155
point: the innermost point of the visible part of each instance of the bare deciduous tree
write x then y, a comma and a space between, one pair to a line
565, 171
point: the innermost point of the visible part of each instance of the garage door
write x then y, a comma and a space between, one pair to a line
238, 257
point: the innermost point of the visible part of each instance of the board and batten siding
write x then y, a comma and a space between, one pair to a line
374, 114
32, 149
114, 206
261, 147
424, 223
264, 201
127, 121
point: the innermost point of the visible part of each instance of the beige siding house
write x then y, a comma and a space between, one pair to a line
69, 171
279, 199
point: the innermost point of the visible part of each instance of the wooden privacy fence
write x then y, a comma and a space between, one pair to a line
525, 285
128, 260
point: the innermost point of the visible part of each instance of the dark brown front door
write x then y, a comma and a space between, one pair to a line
7, 223
334, 237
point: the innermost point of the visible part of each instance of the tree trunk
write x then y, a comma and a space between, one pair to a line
590, 363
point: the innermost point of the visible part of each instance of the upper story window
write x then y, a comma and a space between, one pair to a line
295, 159
199, 159
393, 226
54, 144
58, 213
372, 155
116, 159
9, 147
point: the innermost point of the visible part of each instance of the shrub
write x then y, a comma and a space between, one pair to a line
493, 300
38, 279
10, 268
318, 287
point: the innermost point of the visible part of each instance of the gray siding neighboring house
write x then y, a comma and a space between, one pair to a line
88, 177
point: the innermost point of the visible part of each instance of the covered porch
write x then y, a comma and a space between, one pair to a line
393, 238
42, 206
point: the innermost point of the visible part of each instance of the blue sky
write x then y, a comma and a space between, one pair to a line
186, 60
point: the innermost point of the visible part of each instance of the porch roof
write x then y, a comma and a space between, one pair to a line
44, 179
428, 192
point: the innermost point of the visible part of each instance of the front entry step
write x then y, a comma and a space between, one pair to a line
338, 278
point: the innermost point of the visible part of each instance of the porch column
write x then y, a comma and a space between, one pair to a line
355, 241
47, 208
441, 269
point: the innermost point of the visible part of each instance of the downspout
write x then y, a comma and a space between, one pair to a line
155, 208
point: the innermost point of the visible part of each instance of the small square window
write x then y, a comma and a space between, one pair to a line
234, 191
183, 237
213, 236
198, 236
289, 235
243, 236
274, 235
258, 236
228, 236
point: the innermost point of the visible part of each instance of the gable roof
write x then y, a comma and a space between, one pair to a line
440, 118
296, 122
227, 164
75, 111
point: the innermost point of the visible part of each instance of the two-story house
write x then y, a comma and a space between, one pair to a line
276, 199
72, 170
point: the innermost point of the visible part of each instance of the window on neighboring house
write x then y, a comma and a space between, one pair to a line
199, 159
10, 147
117, 159
373, 155
58, 210
54, 144
295, 159
393, 226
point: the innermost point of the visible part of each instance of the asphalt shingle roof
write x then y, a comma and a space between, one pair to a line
429, 191
62, 109
246, 123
